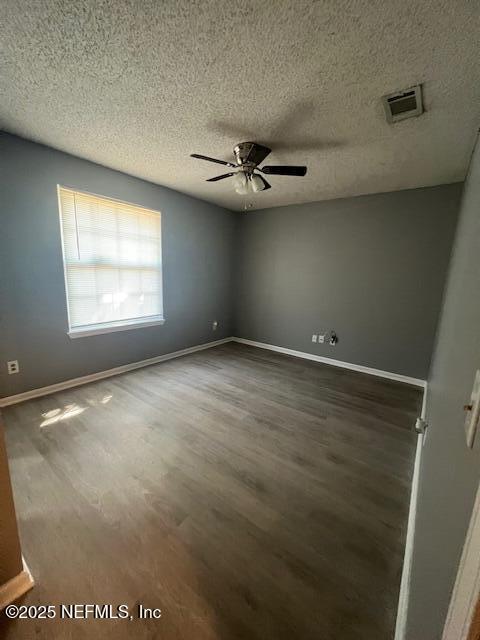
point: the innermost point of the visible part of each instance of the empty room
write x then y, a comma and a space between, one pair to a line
240, 320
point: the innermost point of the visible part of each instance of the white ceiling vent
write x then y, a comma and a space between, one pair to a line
403, 104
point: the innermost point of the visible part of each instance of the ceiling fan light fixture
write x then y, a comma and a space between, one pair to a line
256, 183
240, 183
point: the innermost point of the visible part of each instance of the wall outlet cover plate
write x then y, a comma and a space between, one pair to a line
473, 414
13, 367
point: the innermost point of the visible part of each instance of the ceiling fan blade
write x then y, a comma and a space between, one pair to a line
224, 175
284, 170
266, 184
200, 157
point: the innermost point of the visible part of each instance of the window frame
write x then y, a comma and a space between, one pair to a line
114, 325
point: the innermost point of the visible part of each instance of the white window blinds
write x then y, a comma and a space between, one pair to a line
113, 261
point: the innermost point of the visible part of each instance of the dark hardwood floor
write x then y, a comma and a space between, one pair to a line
247, 494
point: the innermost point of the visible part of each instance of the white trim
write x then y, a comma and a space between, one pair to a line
117, 325
335, 363
75, 382
99, 196
403, 598
64, 266
423, 413
109, 327
467, 585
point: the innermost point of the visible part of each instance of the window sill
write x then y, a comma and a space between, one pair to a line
96, 329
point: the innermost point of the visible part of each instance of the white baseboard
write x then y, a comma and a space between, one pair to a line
76, 382
335, 363
403, 598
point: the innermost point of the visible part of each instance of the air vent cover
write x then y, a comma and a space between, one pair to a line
403, 104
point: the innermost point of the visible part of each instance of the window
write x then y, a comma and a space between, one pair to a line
113, 263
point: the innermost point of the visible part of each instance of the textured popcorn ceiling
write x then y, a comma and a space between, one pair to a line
137, 85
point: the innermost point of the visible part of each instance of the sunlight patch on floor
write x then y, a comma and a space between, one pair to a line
58, 415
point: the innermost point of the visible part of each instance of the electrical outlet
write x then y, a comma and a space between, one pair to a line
215, 325
321, 338
314, 337
12, 367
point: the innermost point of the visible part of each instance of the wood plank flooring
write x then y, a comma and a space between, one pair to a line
247, 494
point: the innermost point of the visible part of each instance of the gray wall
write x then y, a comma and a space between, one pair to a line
372, 268
450, 472
198, 254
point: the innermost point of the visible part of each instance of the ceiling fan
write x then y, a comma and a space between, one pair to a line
248, 155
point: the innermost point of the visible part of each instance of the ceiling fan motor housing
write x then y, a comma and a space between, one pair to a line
250, 154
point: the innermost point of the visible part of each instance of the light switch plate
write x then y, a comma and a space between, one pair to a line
473, 412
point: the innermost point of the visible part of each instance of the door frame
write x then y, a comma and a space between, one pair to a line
403, 598
466, 591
